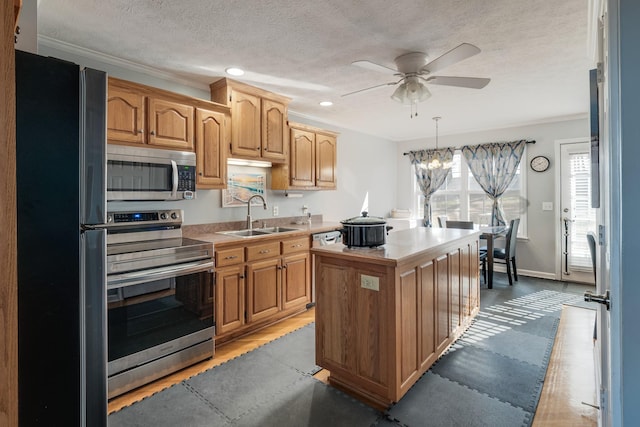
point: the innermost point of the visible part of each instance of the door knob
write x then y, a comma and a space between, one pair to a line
602, 298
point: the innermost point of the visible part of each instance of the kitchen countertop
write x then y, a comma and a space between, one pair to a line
401, 244
205, 233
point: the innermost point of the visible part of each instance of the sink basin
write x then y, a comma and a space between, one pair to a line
245, 233
258, 231
275, 229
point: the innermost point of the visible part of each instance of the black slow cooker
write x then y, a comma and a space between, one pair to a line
364, 231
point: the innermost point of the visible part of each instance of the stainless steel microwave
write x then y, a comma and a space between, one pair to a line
140, 173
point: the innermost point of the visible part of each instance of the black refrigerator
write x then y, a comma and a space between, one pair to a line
61, 199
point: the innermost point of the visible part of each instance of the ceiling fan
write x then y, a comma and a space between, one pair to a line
414, 71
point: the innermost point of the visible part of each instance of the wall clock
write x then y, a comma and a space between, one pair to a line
540, 163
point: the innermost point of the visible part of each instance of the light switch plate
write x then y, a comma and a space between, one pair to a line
370, 282
547, 206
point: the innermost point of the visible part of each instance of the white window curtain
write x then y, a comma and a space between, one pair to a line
429, 180
494, 166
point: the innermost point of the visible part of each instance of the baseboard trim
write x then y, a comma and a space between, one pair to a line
528, 273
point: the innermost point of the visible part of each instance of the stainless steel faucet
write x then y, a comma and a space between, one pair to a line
249, 221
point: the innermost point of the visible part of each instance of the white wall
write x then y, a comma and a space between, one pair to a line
537, 254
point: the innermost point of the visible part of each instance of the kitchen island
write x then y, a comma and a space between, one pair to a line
384, 315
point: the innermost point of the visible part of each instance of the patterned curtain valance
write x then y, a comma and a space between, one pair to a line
494, 165
429, 180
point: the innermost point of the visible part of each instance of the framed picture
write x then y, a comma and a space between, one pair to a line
241, 185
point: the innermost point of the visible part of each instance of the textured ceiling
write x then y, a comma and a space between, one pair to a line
534, 51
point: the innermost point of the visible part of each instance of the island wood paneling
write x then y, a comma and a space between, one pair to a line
378, 334
8, 237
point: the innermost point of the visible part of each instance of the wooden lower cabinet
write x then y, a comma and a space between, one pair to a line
229, 300
264, 286
260, 283
381, 325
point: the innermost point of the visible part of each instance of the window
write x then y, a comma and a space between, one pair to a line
461, 198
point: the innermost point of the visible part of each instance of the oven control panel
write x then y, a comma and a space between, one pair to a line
160, 217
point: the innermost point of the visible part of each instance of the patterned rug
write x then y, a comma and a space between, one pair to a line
491, 376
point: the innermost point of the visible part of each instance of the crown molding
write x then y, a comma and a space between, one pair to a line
119, 62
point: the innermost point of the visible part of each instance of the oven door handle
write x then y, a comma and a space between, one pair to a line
121, 280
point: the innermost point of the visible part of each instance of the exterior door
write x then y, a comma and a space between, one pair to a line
577, 217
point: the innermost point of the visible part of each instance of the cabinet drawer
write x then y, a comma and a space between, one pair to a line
229, 257
295, 245
263, 251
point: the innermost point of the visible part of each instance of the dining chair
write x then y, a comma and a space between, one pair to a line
507, 254
442, 221
467, 225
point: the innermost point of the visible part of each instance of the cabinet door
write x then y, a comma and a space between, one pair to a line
274, 130
325, 163
263, 289
170, 124
125, 116
443, 306
428, 315
296, 280
229, 301
245, 124
211, 149
302, 158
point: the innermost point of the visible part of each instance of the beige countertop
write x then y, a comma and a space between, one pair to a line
209, 233
401, 244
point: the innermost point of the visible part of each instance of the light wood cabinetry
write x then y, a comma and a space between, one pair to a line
212, 136
143, 115
258, 120
260, 282
140, 115
229, 290
380, 323
312, 160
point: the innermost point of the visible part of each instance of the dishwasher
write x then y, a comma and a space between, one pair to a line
321, 239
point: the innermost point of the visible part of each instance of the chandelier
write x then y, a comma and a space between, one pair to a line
436, 162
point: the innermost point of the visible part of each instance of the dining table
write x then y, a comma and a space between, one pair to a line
490, 233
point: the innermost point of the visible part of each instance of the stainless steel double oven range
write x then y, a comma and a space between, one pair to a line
159, 297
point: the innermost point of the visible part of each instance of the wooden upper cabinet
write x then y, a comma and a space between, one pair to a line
303, 158
274, 130
258, 120
245, 127
212, 136
326, 156
125, 116
312, 160
170, 124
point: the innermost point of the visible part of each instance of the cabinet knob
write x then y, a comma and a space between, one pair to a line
152, 133
140, 130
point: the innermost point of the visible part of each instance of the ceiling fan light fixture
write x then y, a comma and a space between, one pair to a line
411, 92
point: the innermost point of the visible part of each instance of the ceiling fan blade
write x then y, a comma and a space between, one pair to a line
368, 65
371, 88
469, 82
457, 54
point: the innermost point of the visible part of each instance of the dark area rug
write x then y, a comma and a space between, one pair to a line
492, 376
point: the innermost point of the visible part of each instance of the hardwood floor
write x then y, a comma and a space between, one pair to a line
568, 383
570, 378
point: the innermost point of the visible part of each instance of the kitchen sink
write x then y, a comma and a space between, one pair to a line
244, 233
275, 229
258, 231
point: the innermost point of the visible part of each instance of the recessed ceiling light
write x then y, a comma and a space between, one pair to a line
326, 103
234, 71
